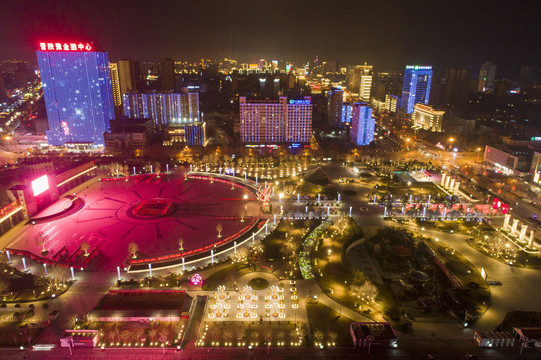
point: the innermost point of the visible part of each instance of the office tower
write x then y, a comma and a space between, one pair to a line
167, 109
336, 99
77, 91
167, 74
275, 121
354, 76
425, 117
362, 124
486, 77
457, 82
416, 88
128, 75
115, 85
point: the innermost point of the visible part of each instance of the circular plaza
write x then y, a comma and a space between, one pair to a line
166, 221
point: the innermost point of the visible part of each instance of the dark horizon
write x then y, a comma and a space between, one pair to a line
387, 35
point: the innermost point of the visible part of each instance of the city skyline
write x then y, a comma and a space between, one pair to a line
468, 34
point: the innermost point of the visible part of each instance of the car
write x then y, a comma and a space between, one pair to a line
494, 282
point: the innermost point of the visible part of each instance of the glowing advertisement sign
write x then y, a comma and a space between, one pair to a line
40, 185
56, 46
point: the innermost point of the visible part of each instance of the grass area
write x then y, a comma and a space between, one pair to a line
282, 246
334, 275
19, 287
135, 334
506, 254
225, 276
475, 293
328, 326
13, 334
251, 333
258, 283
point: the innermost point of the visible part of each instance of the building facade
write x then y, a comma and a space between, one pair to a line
425, 117
416, 88
167, 109
487, 73
77, 91
275, 121
335, 99
365, 87
392, 103
362, 124
115, 86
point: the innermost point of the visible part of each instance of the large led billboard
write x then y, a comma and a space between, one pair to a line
40, 185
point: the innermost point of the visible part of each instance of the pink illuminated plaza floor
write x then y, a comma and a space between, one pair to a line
106, 220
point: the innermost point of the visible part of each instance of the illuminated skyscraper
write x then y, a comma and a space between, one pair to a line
77, 91
115, 85
416, 87
362, 124
366, 85
167, 109
275, 121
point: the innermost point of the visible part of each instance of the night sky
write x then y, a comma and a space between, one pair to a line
387, 34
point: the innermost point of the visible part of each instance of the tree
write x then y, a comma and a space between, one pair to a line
85, 247
181, 244
58, 276
132, 249
219, 229
243, 214
41, 240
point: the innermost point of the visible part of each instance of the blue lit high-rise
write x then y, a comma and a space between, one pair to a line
77, 90
362, 124
416, 87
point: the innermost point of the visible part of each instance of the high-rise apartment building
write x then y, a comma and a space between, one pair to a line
115, 85
77, 91
457, 84
486, 77
416, 88
392, 103
346, 114
334, 109
275, 121
366, 85
167, 109
354, 76
167, 74
425, 117
362, 124
128, 75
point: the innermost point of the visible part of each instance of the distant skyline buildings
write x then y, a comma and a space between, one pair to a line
487, 74
77, 91
416, 88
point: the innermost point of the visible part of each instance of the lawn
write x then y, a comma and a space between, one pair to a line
134, 334
251, 333
328, 326
226, 276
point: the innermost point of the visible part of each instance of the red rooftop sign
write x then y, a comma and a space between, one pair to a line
50, 46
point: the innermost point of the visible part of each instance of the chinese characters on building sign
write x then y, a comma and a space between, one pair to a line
49, 46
